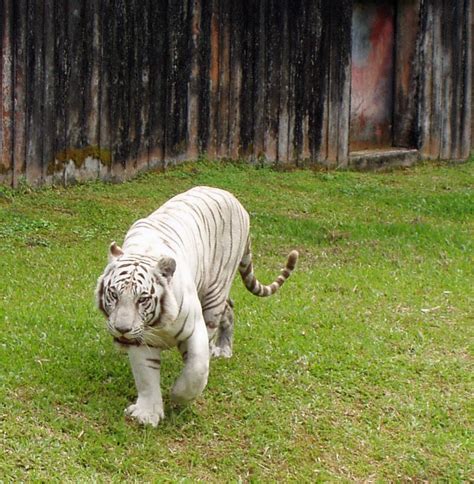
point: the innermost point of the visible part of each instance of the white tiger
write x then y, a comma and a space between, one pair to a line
169, 286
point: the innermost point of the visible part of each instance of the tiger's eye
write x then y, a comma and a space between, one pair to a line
142, 300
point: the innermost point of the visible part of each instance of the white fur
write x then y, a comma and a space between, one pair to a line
148, 408
195, 268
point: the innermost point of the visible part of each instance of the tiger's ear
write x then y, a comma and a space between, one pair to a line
114, 251
166, 267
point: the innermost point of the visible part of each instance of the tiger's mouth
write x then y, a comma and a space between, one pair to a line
127, 342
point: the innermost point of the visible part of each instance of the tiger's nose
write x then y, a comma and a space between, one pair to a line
122, 327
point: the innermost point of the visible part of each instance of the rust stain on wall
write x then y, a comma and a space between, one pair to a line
372, 75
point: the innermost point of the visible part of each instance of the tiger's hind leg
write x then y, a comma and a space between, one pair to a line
221, 344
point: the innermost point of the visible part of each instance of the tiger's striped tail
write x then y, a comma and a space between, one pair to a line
254, 285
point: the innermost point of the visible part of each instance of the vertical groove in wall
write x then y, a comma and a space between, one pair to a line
260, 47
18, 20
49, 120
447, 107
237, 24
247, 99
283, 113
345, 35
157, 54
194, 84
204, 59
466, 122
6, 106
424, 73
213, 81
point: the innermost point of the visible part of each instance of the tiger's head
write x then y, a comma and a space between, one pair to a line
134, 295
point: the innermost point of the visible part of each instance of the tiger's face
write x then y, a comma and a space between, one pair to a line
134, 295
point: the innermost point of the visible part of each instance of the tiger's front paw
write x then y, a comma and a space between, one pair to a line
220, 352
146, 413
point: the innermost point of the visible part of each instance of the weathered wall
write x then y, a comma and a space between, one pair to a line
471, 43
444, 79
103, 88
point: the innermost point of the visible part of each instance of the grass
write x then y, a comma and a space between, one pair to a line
359, 369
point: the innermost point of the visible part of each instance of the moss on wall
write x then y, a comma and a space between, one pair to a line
79, 156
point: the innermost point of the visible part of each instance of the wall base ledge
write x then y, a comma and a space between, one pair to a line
383, 159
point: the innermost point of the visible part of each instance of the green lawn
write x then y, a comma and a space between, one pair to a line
360, 368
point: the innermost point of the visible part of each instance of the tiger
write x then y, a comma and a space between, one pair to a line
168, 286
